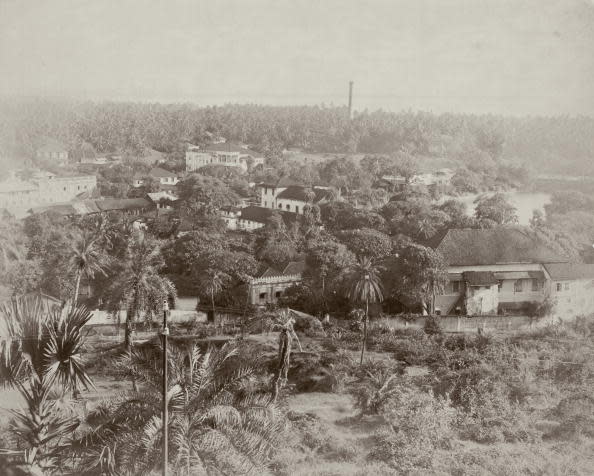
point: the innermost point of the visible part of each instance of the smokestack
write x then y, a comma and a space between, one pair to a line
350, 99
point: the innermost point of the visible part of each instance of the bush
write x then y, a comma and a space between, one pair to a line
312, 431
576, 417
309, 325
419, 425
376, 384
432, 325
488, 416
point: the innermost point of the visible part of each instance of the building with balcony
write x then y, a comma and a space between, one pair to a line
224, 154
493, 271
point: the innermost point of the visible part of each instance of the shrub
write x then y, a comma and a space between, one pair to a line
418, 425
377, 383
313, 433
576, 417
488, 416
309, 325
432, 325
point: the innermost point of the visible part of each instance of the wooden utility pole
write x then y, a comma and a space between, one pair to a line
164, 334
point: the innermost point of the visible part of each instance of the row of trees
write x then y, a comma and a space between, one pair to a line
561, 143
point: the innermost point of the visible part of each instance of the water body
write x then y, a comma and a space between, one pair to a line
525, 202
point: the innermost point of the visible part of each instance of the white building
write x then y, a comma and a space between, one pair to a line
225, 154
271, 285
17, 196
163, 176
54, 151
290, 198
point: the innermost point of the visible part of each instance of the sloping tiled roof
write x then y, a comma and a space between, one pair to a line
257, 214
122, 203
296, 192
294, 267
159, 172
282, 182
230, 147
565, 271
262, 215
291, 269
479, 278
464, 247
64, 209
85, 207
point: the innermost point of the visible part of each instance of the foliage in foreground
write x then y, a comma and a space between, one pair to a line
217, 425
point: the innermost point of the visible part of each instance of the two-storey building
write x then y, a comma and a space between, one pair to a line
493, 270
225, 154
290, 198
53, 151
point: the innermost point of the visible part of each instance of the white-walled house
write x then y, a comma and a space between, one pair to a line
225, 154
165, 177
43, 188
272, 283
492, 271
290, 198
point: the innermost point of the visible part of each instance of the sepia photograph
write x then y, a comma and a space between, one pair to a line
297, 237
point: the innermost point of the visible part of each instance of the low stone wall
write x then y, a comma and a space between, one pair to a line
467, 324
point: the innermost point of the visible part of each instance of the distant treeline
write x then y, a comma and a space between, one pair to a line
553, 144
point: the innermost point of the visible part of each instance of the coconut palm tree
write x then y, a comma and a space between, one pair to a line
139, 284
217, 426
365, 286
86, 259
41, 348
211, 282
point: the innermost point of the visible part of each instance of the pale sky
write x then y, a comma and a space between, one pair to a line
503, 56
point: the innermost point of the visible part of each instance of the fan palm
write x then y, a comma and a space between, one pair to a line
86, 259
216, 426
139, 284
41, 348
365, 286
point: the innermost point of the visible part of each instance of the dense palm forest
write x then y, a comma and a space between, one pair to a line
555, 144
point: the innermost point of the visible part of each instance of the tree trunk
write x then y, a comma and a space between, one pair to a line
128, 331
77, 287
364, 343
213, 307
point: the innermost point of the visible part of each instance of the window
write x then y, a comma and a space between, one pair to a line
558, 287
265, 204
535, 285
64, 188
456, 286
566, 286
500, 285
278, 294
518, 288
296, 209
262, 296
288, 207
